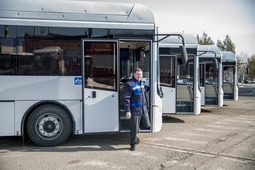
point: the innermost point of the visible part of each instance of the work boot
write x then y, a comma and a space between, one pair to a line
132, 148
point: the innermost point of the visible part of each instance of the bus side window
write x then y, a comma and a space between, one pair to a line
5, 64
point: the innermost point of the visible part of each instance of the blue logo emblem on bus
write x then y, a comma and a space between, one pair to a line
77, 80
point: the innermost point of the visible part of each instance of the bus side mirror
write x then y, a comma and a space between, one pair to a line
160, 92
215, 63
184, 55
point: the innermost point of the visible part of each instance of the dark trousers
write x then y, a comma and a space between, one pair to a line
135, 122
134, 128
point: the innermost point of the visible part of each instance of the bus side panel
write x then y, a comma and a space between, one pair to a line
197, 92
202, 95
7, 119
235, 84
75, 108
157, 117
21, 108
169, 100
156, 100
28, 88
220, 86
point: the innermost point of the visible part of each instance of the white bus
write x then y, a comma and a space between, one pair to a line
80, 58
210, 65
179, 80
230, 81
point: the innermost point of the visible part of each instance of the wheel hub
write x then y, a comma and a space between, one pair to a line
49, 126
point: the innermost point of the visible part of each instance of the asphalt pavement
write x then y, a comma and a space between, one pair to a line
217, 139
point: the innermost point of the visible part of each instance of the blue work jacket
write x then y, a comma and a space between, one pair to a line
135, 100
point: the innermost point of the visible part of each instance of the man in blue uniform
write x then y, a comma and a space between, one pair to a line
135, 106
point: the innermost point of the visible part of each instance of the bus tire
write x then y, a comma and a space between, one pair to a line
49, 125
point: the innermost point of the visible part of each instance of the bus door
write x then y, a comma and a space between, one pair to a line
185, 87
211, 83
202, 82
100, 86
168, 82
228, 81
133, 54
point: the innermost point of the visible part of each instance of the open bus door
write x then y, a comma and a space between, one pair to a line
100, 88
177, 81
202, 82
210, 75
179, 75
229, 76
107, 65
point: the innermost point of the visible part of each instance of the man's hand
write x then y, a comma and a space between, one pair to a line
128, 115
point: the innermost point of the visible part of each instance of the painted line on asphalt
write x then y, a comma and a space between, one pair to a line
201, 152
186, 140
208, 130
181, 164
222, 122
197, 134
222, 127
246, 119
96, 164
239, 121
140, 154
248, 116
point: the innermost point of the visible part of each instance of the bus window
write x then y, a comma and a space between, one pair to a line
211, 74
100, 71
34, 38
6, 64
24, 63
50, 61
202, 74
167, 71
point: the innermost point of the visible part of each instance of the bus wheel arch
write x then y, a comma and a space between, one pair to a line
48, 123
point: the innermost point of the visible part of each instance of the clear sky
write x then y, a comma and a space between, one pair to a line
217, 18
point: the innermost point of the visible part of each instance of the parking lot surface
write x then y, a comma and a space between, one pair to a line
219, 138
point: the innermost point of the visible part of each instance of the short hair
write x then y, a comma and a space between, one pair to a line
138, 70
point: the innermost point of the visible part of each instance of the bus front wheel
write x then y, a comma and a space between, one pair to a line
49, 125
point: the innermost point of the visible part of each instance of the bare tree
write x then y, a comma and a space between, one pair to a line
242, 62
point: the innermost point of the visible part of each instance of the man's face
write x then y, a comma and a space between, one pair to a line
138, 75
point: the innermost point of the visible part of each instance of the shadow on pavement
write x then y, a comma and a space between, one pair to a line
97, 142
205, 111
170, 119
